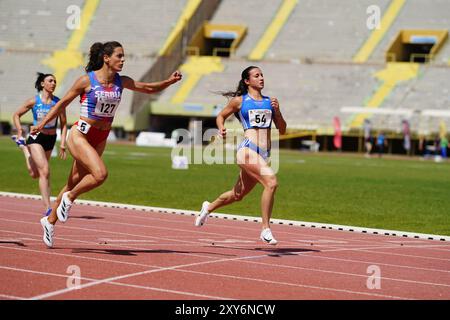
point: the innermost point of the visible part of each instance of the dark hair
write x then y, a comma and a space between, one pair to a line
96, 53
41, 77
242, 88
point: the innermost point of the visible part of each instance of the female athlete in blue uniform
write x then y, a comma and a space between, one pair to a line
100, 92
38, 148
256, 113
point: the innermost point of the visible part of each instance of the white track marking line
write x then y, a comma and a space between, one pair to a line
113, 232
282, 266
244, 260
303, 286
246, 218
114, 283
214, 274
304, 253
404, 255
333, 250
128, 247
385, 246
181, 230
350, 274
106, 213
126, 276
5, 296
126, 241
250, 229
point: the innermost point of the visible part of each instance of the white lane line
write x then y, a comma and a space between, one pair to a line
349, 274
114, 283
126, 241
96, 231
126, 276
171, 229
108, 213
128, 247
384, 246
404, 255
280, 283
247, 218
5, 296
309, 269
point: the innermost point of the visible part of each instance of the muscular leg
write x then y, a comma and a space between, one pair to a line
257, 168
90, 158
88, 170
243, 186
40, 158
76, 174
31, 166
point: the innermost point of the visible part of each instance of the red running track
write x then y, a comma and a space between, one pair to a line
129, 254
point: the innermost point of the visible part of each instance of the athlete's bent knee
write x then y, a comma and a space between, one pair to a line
239, 196
44, 173
271, 184
33, 174
100, 176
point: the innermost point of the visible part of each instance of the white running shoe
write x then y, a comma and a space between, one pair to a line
267, 237
63, 209
203, 215
48, 231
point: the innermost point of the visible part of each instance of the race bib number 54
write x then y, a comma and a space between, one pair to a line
260, 118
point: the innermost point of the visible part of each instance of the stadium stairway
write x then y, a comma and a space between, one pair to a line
188, 11
391, 76
377, 35
71, 57
195, 68
272, 31
198, 66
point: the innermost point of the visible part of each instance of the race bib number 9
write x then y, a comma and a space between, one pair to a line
260, 118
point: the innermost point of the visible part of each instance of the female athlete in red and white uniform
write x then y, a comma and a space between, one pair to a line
100, 91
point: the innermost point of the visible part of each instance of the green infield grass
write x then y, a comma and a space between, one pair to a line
406, 194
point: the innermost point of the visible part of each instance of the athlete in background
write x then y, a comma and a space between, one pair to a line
38, 148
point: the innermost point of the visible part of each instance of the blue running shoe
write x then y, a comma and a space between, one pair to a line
20, 142
47, 213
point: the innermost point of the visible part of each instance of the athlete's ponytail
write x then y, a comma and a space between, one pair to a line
41, 77
96, 53
242, 87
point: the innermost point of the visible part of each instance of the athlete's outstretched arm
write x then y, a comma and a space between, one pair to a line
278, 117
150, 87
230, 108
77, 89
24, 108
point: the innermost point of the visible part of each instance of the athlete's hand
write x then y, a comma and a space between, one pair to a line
62, 153
35, 129
223, 132
175, 77
274, 103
